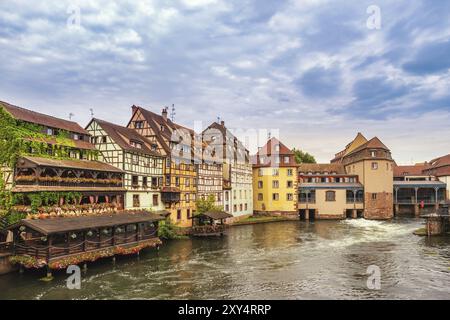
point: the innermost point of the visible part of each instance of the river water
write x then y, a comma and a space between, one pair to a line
281, 260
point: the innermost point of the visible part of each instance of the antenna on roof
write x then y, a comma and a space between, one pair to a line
218, 119
269, 135
71, 115
172, 113
92, 112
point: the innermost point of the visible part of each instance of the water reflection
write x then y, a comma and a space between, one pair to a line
283, 260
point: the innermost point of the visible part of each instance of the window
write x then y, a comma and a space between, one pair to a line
50, 131
134, 181
76, 136
246, 207
168, 180
144, 182
286, 159
289, 172
374, 165
154, 182
275, 196
226, 196
136, 144
139, 124
374, 196
136, 202
227, 208
277, 147
104, 139
289, 197
234, 194
188, 213
186, 197
275, 184
177, 181
178, 214
134, 159
260, 197
155, 200
275, 172
373, 153
260, 172
330, 196
241, 207
290, 184
277, 160
234, 208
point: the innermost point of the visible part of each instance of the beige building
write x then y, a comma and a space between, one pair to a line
371, 161
326, 191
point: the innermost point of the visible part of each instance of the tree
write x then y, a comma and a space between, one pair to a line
303, 157
208, 204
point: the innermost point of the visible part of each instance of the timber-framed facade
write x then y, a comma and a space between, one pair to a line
179, 145
138, 157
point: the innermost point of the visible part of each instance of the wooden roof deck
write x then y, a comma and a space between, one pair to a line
62, 225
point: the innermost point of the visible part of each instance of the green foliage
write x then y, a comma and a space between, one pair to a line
207, 204
14, 217
303, 157
167, 230
45, 198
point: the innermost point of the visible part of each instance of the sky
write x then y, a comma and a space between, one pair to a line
314, 72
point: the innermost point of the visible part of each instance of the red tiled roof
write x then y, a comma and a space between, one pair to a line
123, 137
267, 149
373, 143
269, 153
439, 166
415, 170
42, 119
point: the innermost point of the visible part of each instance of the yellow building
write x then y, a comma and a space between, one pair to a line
326, 191
371, 161
274, 180
179, 145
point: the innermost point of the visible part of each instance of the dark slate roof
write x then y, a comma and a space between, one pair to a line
72, 163
331, 185
217, 215
64, 224
42, 119
123, 137
321, 167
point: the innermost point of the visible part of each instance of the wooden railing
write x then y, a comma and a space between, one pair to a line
208, 229
47, 252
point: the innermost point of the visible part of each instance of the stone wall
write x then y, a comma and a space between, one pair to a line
381, 208
5, 265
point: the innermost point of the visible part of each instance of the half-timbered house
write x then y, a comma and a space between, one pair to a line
129, 151
57, 169
179, 145
236, 169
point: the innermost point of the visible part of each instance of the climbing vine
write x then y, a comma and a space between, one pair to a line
19, 138
44, 199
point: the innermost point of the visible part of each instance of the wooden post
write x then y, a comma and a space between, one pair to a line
84, 241
137, 232
113, 236
49, 249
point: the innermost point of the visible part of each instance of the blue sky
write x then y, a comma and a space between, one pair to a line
311, 69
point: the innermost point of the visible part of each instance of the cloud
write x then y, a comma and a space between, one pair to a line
299, 66
432, 58
319, 82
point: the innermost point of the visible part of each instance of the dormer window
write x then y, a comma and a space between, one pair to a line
136, 144
139, 124
373, 153
277, 147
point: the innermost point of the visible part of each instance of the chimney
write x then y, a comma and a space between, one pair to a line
133, 109
164, 113
222, 123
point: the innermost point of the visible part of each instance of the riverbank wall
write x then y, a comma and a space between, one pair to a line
5, 265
